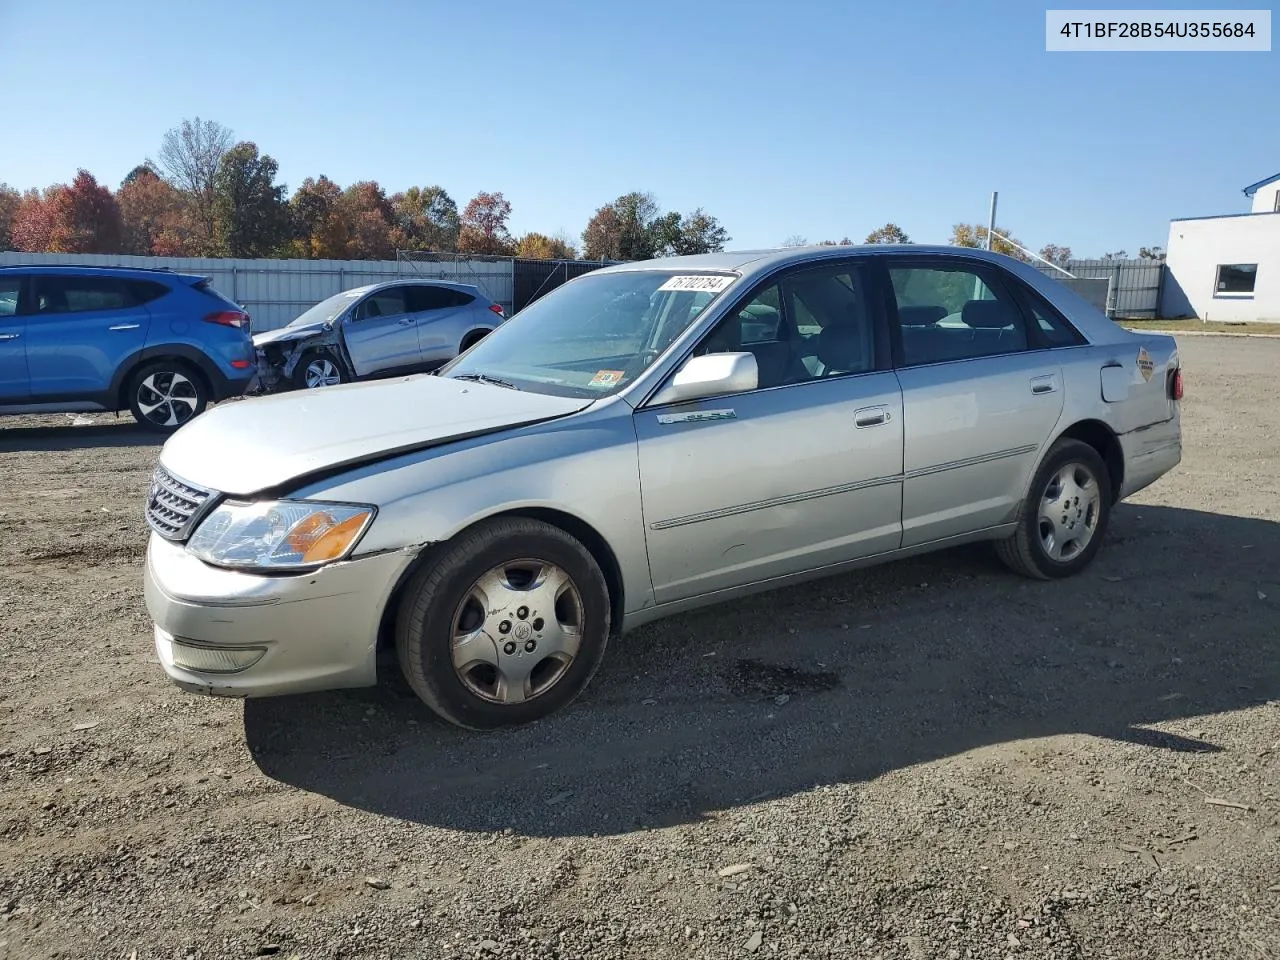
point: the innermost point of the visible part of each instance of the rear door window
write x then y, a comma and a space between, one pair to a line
952, 311
81, 295
425, 297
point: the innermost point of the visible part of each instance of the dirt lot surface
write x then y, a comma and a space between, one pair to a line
934, 759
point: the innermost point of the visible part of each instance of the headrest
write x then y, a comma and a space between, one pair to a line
988, 315
920, 316
842, 348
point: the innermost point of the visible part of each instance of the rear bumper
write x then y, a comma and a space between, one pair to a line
294, 634
1150, 453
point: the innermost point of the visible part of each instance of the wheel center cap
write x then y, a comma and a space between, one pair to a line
523, 631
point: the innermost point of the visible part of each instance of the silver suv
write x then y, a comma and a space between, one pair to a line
379, 330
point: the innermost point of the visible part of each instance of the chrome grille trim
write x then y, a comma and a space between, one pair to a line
173, 504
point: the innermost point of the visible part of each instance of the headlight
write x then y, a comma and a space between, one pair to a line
279, 534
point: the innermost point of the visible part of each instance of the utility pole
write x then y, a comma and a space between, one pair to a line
991, 223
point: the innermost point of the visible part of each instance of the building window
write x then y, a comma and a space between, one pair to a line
1235, 278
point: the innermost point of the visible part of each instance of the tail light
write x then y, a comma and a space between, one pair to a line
1175, 384
229, 318
497, 308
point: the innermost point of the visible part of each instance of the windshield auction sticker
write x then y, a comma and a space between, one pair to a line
606, 378
698, 284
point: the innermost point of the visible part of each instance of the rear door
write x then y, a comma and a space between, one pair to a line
382, 334
14, 382
79, 332
981, 394
444, 316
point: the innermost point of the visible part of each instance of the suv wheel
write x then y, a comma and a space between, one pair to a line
319, 368
506, 625
165, 394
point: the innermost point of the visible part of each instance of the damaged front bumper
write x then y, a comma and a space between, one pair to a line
278, 359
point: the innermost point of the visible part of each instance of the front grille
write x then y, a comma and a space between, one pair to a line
173, 504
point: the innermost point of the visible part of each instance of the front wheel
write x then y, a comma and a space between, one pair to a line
319, 368
165, 394
1064, 517
507, 625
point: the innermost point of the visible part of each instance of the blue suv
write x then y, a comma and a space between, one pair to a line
161, 345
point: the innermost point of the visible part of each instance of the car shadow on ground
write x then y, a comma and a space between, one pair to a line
53, 436
835, 681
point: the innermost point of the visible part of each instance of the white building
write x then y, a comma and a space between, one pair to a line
1227, 268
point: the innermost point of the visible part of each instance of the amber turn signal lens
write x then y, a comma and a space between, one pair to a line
319, 538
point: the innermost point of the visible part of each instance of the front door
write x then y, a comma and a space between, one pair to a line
980, 397
804, 471
14, 383
382, 334
80, 331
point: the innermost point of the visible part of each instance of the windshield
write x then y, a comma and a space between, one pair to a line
594, 335
328, 310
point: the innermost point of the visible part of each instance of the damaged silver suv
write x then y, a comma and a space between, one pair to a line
380, 330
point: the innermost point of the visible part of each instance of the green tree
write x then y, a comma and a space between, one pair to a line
10, 200
889, 233
1151, 253
250, 217
320, 229
369, 213
843, 242
426, 218
602, 238
699, 232
795, 240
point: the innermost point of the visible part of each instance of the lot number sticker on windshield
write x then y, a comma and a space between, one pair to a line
606, 378
1146, 365
695, 284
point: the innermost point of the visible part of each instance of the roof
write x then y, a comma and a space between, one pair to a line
74, 270
1253, 188
738, 261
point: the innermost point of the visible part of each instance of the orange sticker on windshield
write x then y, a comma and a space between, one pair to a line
606, 378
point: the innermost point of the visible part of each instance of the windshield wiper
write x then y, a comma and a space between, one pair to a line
485, 378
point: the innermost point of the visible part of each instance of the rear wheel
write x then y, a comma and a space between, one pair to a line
319, 368
508, 624
165, 394
1064, 517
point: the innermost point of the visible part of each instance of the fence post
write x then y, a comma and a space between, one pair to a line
235, 284
1113, 292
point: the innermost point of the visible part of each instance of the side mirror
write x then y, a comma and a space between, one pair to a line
710, 375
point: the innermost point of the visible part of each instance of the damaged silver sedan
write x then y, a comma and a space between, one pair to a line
379, 330
646, 439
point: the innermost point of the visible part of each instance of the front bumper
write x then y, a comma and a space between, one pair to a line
314, 631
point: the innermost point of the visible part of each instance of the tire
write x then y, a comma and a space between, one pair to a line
1058, 536
318, 368
165, 394
486, 681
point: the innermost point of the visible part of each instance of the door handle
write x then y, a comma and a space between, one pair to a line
125, 326
871, 417
9, 336
405, 322
1044, 384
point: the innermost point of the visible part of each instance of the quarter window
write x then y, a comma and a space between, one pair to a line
1055, 331
80, 294
952, 313
384, 303
1236, 278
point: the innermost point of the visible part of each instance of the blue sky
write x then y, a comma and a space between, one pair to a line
810, 117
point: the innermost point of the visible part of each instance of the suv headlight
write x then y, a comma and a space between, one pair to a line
279, 534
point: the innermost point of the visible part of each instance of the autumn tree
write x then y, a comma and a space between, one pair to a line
250, 217
154, 217
369, 215
190, 156
484, 226
602, 238
842, 242
538, 246
10, 200
889, 233
426, 218
1056, 255
320, 227
80, 218
975, 235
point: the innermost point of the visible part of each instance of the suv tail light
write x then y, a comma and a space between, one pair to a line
497, 308
1175, 384
229, 318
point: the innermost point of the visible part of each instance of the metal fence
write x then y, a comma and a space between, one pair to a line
1135, 286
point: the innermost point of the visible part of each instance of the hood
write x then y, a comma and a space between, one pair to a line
246, 446
289, 333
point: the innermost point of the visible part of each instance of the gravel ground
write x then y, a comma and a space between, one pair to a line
933, 759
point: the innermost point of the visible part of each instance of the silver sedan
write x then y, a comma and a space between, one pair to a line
647, 439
